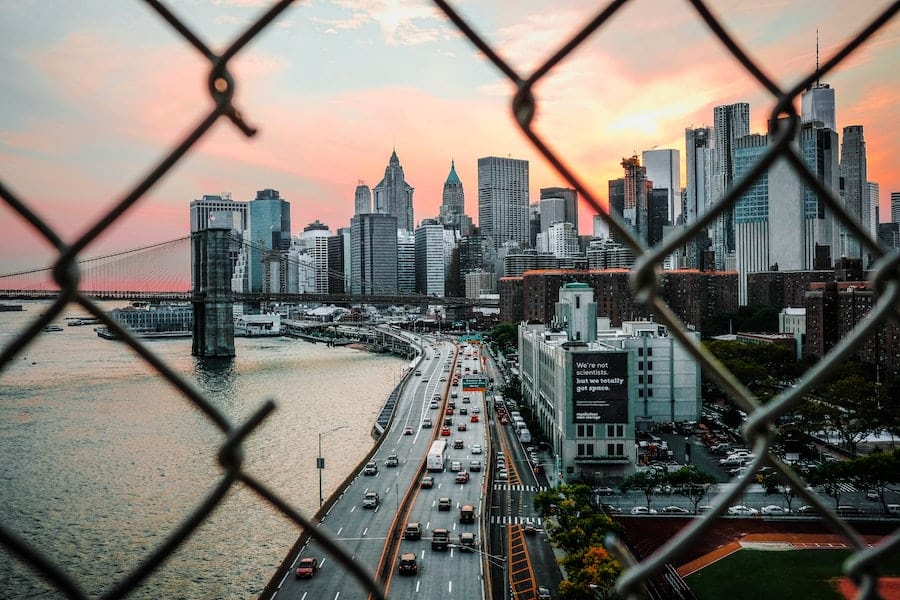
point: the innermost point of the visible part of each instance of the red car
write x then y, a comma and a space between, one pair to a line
474, 418
445, 431
462, 477
449, 410
307, 567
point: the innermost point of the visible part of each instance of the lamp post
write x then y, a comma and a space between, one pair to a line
320, 460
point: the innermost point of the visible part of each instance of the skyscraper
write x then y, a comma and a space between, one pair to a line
430, 264
698, 192
453, 199
874, 193
363, 201
664, 170
269, 234
730, 123
855, 193
373, 254
895, 207
817, 104
561, 204
637, 190
393, 196
503, 200
217, 211
406, 261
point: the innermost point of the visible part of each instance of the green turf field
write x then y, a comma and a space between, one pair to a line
777, 575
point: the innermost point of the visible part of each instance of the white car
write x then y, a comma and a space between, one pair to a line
643, 510
774, 509
742, 511
675, 510
475, 448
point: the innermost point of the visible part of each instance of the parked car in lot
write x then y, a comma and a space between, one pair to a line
742, 511
643, 510
845, 510
307, 567
774, 510
675, 510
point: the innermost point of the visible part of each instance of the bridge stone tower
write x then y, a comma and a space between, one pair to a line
211, 295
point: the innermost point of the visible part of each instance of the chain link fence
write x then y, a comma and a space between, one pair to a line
862, 567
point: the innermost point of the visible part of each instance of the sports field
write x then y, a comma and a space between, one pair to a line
752, 574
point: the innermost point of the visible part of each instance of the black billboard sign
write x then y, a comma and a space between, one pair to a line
600, 387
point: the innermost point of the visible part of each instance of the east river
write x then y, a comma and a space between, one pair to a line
100, 458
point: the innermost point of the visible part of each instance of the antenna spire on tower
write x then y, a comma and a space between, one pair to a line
817, 57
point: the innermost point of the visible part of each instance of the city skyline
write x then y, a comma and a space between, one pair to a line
74, 139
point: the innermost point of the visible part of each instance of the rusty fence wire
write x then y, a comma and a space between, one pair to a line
862, 567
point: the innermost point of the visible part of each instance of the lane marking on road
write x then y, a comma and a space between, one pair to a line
339, 531
286, 573
365, 531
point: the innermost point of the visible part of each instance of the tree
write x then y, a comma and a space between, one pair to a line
774, 484
830, 475
875, 472
591, 574
692, 483
505, 337
851, 410
645, 481
512, 389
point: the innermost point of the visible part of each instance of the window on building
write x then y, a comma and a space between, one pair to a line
649, 351
640, 379
640, 351
640, 365
615, 430
650, 365
577, 302
585, 449
649, 378
640, 392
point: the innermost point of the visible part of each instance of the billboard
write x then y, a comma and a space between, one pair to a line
600, 387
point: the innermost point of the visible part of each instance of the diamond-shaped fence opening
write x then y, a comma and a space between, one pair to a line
886, 278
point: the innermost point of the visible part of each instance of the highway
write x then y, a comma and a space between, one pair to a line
361, 531
450, 573
508, 560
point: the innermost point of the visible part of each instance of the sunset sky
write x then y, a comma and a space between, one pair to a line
95, 93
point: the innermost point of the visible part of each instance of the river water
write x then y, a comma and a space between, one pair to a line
100, 458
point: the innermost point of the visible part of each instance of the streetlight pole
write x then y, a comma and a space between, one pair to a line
320, 460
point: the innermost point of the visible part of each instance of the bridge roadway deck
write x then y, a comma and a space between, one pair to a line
363, 532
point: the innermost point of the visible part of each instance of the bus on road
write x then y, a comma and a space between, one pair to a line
437, 454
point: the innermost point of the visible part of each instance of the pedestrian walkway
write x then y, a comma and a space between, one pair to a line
514, 487
514, 520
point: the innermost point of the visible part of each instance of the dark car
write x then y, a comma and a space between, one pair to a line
407, 564
307, 567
